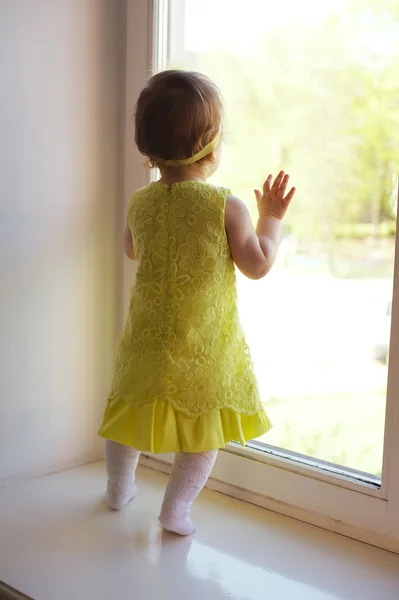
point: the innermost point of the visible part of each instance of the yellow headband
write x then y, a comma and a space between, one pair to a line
189, 161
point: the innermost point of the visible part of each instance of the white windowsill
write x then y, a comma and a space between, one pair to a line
59, 541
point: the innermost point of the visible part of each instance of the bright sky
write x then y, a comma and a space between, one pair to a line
240, 22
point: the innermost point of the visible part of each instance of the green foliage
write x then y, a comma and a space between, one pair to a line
363, 231
320, 101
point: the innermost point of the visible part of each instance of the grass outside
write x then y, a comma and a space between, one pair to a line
346, 429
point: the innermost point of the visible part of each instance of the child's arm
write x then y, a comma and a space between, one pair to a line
255, 252
128, 243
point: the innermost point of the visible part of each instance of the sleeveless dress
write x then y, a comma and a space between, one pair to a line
183, 378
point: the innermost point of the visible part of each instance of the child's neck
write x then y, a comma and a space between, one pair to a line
195, 172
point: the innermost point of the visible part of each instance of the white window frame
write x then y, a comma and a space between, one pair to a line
328, 496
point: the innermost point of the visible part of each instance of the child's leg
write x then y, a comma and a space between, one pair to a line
189, 475
121, 462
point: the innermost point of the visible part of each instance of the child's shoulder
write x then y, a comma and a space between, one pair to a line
218, 189
207, 196
208, 190
142, 193
218, 194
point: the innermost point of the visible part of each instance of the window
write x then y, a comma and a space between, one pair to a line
311, 87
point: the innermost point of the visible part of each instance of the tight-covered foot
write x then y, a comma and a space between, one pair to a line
189, 475
184, 526
118, 497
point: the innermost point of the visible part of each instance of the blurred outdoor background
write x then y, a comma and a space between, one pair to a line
312, 87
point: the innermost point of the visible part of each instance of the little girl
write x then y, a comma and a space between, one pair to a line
183, 379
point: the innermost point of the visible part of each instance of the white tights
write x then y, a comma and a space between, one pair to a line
121, 463
189, 475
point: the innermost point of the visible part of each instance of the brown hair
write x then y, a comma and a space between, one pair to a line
177, 114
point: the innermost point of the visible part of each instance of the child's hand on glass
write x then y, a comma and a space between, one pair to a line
273, 202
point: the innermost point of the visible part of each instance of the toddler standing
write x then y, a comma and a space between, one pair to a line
183, 379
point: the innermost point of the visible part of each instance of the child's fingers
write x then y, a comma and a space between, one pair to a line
277, 182
268, 184
258, 195
283, 186
289, 196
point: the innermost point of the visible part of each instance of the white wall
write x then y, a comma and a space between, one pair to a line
61, 201
140, 49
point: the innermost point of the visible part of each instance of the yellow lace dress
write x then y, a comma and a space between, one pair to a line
183, 378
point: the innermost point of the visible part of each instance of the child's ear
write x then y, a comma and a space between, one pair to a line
211, 156
208, 159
